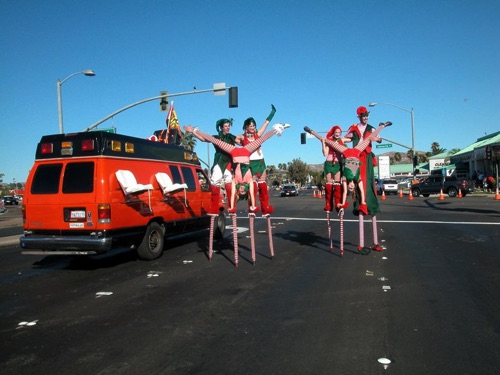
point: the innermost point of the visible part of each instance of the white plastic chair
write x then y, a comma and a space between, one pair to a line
129, 186
166, 184
129, 183
168, 187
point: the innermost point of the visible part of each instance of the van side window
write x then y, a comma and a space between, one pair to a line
203, 180
189, 179
176, 174
78, 178
46, 179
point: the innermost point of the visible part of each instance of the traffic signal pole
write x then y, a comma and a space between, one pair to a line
233, 101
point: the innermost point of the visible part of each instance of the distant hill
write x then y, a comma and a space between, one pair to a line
404, 160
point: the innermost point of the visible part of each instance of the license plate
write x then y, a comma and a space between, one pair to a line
77, 214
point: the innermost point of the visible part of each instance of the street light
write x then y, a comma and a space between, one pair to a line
88, 72
373, 104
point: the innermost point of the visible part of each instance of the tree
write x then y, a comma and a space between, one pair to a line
298, 171
282, 166
435, 149
397, 157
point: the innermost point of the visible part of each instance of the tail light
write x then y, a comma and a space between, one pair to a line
104, 213
23, 211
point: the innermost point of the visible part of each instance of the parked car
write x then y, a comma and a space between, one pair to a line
289, 191
388, 185
405, 183
10, 200
451, 185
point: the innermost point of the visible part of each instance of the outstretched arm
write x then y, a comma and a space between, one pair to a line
269, 118
208, 138
277, 129
335, 145
365, 142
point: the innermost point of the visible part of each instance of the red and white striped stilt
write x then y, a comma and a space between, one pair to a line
235, 238
211, 240
341, 217
329, 229
270, 233
251, 218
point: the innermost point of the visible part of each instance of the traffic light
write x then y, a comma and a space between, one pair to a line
233, 97
488, 153
164, 101
303, 138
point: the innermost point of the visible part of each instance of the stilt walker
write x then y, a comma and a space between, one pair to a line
332, 170
351, 164
242, 178
366, 204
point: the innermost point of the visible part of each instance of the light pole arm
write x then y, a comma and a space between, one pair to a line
148, 100
396, 106
59, 95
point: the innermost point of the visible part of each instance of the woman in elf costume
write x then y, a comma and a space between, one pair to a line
257, 163
335, 189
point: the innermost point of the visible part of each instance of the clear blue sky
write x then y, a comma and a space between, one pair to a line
316, 61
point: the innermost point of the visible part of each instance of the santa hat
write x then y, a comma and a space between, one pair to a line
361, 110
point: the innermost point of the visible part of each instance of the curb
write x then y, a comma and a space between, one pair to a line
9, 241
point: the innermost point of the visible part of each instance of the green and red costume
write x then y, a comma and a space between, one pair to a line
365, 170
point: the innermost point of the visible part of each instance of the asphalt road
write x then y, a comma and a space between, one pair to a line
428, 303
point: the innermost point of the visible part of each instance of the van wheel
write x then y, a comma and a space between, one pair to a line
415, 192
151, 246
220, 226
452, 192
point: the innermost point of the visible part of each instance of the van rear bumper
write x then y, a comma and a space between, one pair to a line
64, 245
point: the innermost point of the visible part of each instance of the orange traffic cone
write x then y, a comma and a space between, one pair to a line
401, 193
410, 195
459, 193
383, 195
319, 194
441, 195
314, 194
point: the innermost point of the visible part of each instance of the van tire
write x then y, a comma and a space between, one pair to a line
220, 226
152, 244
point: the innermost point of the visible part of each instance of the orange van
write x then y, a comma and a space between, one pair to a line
92, 192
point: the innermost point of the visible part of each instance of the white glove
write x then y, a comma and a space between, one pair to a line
280, 127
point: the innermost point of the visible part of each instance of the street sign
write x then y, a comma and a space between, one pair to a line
385, 145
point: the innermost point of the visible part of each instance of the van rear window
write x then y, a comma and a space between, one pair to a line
78, 178
46, 179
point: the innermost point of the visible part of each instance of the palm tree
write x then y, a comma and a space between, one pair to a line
188, 141
436, 149
397, 157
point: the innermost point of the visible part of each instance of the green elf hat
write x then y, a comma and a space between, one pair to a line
221, 122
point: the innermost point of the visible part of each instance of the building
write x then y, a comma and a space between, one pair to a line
473, 157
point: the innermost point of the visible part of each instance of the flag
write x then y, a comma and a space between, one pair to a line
172, 120
174, 129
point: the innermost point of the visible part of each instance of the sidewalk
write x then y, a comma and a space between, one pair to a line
11, 217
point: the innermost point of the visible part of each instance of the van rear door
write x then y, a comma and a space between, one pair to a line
61, 196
